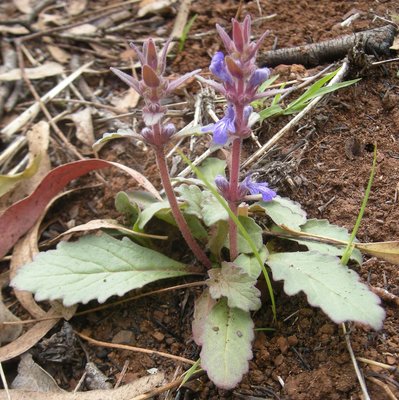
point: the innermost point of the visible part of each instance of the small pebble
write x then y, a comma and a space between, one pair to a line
158, 336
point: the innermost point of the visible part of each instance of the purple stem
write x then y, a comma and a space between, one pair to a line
181, 222
234, 177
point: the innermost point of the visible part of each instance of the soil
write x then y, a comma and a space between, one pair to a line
305, 356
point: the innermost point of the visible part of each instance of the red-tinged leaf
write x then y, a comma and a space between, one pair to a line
21, 216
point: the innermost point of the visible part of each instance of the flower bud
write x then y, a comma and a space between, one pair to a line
223, 185
259, 76
168, 131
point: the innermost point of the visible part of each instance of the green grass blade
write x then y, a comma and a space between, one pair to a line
349, 248
185, 32
240, 227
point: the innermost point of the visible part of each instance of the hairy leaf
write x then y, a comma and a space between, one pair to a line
329, 285
149, 212
323, 228
212, 167
236, 285
250, 264
192, 196
254, 231
212, 210
203, 305
226, 344
95, 267
282, 211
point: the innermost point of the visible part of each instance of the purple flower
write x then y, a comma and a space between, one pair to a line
257, 188
218, 67
223, 127
259, 76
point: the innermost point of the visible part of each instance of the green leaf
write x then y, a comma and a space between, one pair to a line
253, 230
203, 306
192, 196
94, 268
218, 238
226, 344
329, 285
185, 32
196, 228
270, 111
149, 212
212, 167
250, 264
142, 198
282, 211
212, 210
125, 206
323, 228
236, 285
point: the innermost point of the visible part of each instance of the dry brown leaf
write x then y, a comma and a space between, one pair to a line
388, 251
395, 44
128, 100
126, 392
84, 126
59, 55
47, 69
25, 6
14, 29
28, 339
75, 7
84, 29
96, 224
32, 376
8, 333
154, 7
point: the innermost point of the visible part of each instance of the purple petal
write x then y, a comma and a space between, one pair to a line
220, 134
218, 67
129, 80
222, 183
259, 76
258, 188
179, 81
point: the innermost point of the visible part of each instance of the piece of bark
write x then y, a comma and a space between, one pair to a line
375, 41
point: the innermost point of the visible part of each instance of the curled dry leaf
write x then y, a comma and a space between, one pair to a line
154, 7
75, 7
96, 224
128, 100
126, 392
47, 69
32, 377
59, 55
29, 338
84, 29
25, 6
21, 216
84, 126
8, 333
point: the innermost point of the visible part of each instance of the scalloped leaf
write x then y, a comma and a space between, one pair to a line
212, 210
192, 196
149, 212
226, 344
329, 285
94, 268
203, 306
211, 167
323, 228
254, 231
236, 285
250, 264
282, 211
